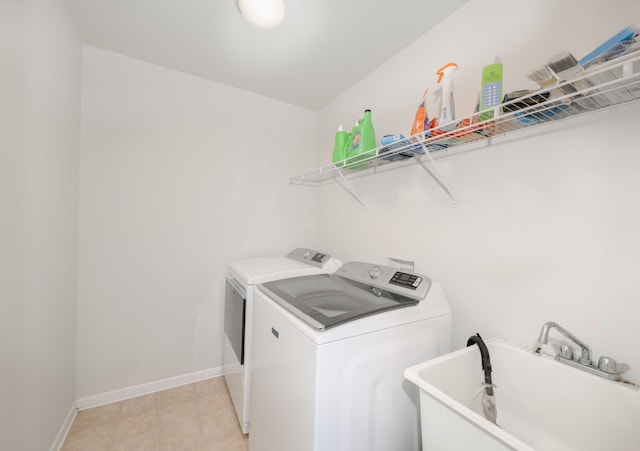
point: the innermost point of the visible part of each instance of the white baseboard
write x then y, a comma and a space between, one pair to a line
64, 429
89, 402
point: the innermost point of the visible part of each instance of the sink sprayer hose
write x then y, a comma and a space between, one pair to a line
486, 361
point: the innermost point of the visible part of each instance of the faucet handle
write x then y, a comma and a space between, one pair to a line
610, 366
566, 352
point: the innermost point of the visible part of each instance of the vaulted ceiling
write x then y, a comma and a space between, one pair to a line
321, 49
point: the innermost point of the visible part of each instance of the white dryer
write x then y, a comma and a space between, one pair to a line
329, 354
242, 278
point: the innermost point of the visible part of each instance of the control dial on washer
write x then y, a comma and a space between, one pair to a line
375, 272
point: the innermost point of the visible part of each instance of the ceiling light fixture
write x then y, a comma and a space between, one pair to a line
262, 13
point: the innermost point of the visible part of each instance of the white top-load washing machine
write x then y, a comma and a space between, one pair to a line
242, 278
329, 353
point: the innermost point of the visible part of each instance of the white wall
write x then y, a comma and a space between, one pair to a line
546, 227
179, 176
40, 62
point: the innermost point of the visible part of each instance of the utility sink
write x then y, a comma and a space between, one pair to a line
541, 404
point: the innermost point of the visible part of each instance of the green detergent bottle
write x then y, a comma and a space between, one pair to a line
362, 140
367, 135
339, 146
348, 146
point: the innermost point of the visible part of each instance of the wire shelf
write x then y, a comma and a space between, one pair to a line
601, 87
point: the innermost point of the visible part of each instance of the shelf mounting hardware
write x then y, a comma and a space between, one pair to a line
344, 183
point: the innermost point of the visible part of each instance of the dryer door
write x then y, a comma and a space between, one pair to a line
235, 309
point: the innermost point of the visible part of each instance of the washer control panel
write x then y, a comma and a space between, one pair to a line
403, 279
387, 278
375, 272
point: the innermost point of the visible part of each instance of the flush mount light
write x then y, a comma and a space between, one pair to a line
262, 13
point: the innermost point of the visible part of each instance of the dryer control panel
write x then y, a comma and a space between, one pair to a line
309, 256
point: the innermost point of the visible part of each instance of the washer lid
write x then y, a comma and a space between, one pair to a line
327, 300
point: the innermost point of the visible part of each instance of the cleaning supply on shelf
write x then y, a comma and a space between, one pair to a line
469, 130
399, 147
524, 99
546, 79
532, 107
566, 67
435, 131
348, 152
624, 45
421, 120
448, 110
341, 141
367, 134
362, 141
491, 89
595, 55
626, 49
543, 76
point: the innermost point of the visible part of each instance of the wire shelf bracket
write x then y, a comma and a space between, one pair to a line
348, 187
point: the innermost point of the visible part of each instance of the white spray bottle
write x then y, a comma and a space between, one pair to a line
447, 120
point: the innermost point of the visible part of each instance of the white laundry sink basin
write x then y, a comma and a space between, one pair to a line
541, 404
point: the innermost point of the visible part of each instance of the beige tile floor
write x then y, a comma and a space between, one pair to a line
195, 417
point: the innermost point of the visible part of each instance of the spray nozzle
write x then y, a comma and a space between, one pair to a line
447, 69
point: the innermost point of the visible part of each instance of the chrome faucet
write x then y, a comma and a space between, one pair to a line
543, 339
607, 367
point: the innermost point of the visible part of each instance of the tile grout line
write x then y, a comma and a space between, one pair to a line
113, 429
158, 424
202, 440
